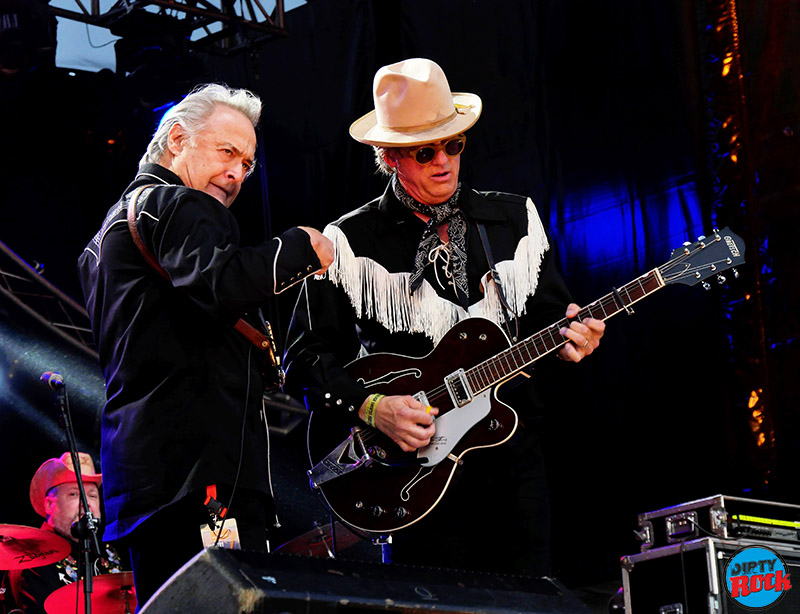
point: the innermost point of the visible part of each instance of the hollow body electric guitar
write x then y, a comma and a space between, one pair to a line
375, 487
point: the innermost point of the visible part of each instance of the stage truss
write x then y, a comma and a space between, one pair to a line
219, 26
24, 287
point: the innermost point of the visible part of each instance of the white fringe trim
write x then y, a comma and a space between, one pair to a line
382, 296
520, 276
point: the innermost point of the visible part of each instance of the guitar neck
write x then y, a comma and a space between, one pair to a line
509, 362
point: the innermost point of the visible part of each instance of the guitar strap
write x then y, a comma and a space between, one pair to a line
487, 250
248, 331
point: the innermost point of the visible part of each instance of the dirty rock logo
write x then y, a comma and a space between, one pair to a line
757, 577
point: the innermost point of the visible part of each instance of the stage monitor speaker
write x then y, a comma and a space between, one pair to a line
233, 581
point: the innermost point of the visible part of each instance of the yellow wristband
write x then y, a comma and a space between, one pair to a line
369, 410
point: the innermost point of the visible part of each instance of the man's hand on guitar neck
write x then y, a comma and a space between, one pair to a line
405, 420
583, 337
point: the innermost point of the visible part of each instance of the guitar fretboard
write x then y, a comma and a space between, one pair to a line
517, 357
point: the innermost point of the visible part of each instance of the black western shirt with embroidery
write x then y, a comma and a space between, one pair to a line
178, 376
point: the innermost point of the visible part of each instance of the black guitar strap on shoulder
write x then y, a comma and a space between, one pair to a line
508, 313
248, 331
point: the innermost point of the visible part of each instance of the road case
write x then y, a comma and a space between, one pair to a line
689, 578
720, 516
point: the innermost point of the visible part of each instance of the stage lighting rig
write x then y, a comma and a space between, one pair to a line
221, 27
27, 36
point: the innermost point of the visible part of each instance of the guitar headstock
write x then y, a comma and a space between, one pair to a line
706, 257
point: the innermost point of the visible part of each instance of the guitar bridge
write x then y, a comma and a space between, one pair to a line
458, 388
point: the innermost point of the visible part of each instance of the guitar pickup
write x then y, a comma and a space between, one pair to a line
458, 388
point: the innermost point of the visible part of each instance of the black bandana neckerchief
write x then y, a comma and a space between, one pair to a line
449, 212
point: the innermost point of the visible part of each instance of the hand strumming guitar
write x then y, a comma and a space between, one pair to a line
405, 420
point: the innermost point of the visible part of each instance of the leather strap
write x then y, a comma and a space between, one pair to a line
248, 331
137, 238
487, 250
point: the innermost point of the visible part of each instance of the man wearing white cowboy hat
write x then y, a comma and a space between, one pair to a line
409, 266
55, 496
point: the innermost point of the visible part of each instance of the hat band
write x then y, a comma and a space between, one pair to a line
422, 127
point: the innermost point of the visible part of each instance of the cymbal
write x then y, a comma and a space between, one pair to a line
317, 541
24, 547
112, 593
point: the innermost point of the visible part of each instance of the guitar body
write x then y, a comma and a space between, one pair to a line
398, 488
375, 487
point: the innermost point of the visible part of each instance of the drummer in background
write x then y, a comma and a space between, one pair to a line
55, 496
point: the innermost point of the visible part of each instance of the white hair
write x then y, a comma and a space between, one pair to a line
380, 159
194, 110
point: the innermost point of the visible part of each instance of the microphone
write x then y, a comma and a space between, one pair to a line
76, 528
53, 379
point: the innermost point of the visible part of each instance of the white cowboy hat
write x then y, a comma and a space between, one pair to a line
413, 106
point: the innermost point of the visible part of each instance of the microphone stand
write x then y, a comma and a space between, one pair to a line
87, 525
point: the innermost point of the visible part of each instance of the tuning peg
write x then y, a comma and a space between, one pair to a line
721, 279
735, 274
706, 285
701, 238
686, 243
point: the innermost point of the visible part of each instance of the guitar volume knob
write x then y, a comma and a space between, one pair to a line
376, 510
401, 512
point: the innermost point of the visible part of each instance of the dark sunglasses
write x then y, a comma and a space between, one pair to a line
451, 147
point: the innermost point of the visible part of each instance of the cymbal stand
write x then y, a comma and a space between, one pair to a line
3, 592
385, 544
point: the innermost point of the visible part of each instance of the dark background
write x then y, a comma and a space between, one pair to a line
635, 126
